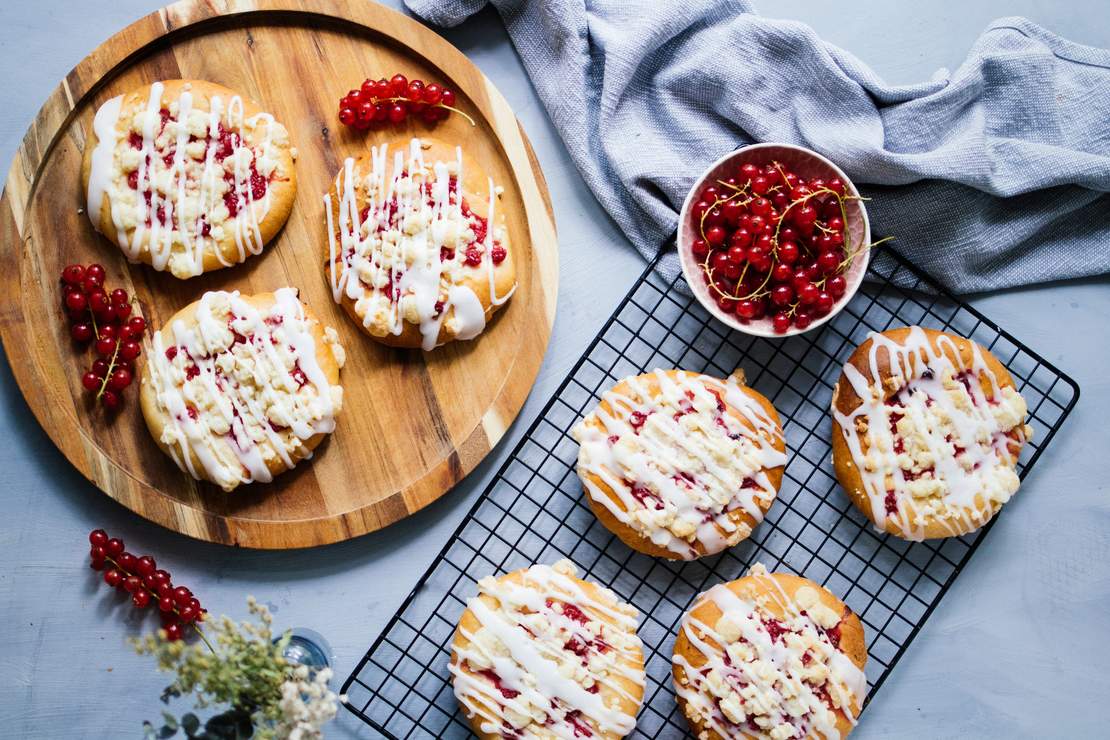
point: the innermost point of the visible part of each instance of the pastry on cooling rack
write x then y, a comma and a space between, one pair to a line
240, 388
418, 253
770, 655
542, 653
927, 429
680, 465
187, 176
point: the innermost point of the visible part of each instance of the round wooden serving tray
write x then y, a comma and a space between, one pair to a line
413, 424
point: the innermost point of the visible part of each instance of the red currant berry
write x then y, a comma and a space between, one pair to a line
837, 286
97, 552
397, 113
95, 271
346, 116
137, 325
726, 303
145, 566
120, 379
787, 252
76, 301
748, 171
127, 561
113, 577
165, 603
181, 596
130, 350
173, 632
719, 261
119, 297
90, 382
737, 255
141, 599
89, 284
802, 320
808, 293
98, 302
746, 309
98, 537
415, 90
804, 216
131, 584
398, 84
448, 98
760, 185
782, 272
836, 186
828, 262
781, 323
187, 614
97, 563
732, 210
72, 274
100, 370
761, 207
381, 88
824, 303
81, 332
195, 604
114, 546
740, 238
699, 248
782, 295
732, 270
715, 235
110, 400
714, 217
105, 346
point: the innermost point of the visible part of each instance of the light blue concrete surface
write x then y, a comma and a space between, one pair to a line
1018, 648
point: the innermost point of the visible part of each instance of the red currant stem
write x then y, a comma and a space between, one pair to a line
154, 597
111, 368
866, 248
430, 105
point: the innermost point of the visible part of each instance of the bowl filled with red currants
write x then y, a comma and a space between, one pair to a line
774, 239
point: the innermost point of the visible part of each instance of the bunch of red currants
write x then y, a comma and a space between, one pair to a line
376, 104
772, 243
145, 582
103, 319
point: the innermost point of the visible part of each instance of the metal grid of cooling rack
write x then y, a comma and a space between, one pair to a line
533, 510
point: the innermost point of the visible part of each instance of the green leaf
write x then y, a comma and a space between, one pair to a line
170, 720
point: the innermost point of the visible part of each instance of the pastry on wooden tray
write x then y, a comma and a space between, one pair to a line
770, 655
542, 653
418, 254
187, 176
680, 465
237, 389
927, 429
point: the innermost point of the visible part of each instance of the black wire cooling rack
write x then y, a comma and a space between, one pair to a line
533, 511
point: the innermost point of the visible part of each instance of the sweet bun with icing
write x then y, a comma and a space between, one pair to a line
680, 465
540, 652
417, 250
770, 655
241, 388
187, 176
927, 429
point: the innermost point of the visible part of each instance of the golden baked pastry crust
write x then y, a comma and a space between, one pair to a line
615, 689
282, 186
769, 589
157, 416
474, 187
740, 518
962, 353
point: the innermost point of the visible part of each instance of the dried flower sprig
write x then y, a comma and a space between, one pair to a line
267, 698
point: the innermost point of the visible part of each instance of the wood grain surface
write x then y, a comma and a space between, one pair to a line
413, 424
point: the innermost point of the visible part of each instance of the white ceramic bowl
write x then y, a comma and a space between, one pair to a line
806, 164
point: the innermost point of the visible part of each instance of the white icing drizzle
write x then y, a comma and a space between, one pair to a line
767, 676
940, 441
407, 241
677, 462
549, 659
240, 386
179, 210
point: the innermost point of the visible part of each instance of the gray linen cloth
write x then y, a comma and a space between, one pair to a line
992, 176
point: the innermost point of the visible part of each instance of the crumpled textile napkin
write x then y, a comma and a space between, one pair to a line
992, 176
